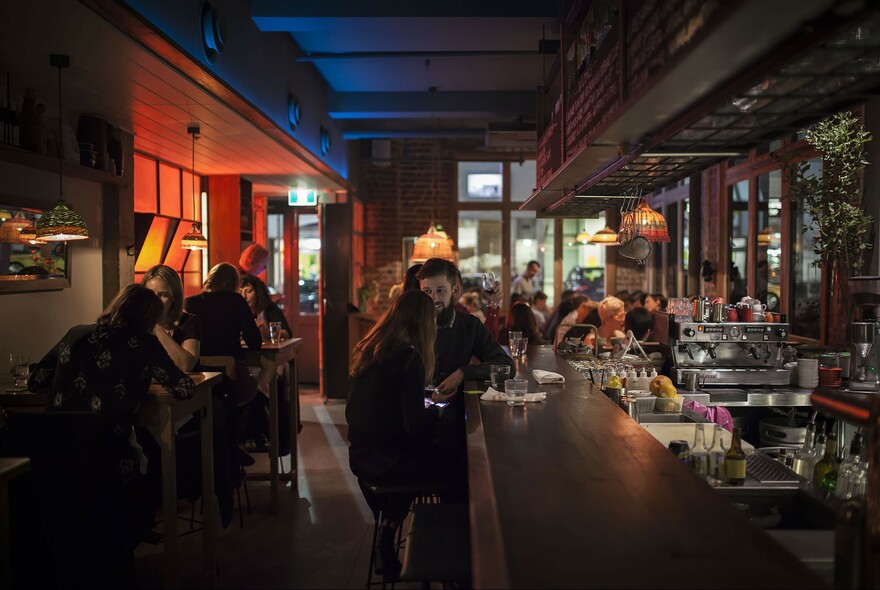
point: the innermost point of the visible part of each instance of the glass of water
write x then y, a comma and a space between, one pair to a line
499, 374
515, 391
19, 365
275, 332
513, 340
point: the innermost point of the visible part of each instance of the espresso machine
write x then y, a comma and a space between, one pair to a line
865, 333
726, 353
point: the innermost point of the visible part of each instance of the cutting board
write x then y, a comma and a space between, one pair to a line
667, 432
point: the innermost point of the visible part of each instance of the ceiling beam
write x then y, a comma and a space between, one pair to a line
324, 56
286, 14
402, 105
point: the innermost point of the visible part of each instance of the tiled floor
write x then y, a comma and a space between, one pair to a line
321, 536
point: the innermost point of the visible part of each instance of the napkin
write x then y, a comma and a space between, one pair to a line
547, 376
493, 395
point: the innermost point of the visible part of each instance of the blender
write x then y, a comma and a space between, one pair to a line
865, 297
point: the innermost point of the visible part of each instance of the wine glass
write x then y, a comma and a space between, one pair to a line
489, 282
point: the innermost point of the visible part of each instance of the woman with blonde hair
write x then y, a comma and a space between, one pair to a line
612, 312
177, 330
389, 427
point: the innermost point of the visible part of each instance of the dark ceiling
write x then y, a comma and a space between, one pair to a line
400, 68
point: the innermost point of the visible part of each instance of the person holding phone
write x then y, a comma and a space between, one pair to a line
390, 427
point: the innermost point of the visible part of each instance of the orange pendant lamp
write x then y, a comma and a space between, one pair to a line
433, 244
645, 222
194, 239
605, 237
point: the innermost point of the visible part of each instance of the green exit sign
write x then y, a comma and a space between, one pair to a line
302, 198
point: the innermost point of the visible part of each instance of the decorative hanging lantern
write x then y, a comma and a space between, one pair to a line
432, 245
605, 237
583, 238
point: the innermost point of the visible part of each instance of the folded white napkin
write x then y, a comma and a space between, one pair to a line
547, 376
493, 395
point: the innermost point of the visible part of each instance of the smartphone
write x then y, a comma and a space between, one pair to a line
429, 402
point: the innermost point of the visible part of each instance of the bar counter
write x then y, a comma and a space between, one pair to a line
571, 492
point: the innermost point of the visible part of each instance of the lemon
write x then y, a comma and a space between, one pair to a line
661, 386
614, 382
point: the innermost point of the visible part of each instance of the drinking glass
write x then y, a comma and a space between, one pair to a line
515, 391
274, 332
499, 374
523, 345
489, 282
513, 339
19, 367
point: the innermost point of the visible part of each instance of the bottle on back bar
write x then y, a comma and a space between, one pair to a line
699, 455
849, 470
803, 457
715, 459
827, 463
735, 461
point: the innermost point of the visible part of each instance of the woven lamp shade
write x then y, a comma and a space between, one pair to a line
10, 230
645, 222
61, 223
29, 236
194, 240
605, 237
5, 214
432, 245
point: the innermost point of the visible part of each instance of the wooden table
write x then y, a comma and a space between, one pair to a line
158, 414
571, 492
282, 352
10, 467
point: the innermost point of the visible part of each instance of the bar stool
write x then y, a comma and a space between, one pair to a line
378, 497
438, 547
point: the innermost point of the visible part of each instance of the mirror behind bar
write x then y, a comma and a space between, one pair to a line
30, 266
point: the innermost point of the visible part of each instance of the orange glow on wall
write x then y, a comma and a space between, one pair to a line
188, 197
145, 185
169, 190
155, 244
176, 256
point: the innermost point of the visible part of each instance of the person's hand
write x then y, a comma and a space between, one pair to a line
448, 387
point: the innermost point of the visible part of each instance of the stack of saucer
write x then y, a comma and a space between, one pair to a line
808, 373
829, 376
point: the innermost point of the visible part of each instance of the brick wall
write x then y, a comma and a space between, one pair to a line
401, 199
631, 276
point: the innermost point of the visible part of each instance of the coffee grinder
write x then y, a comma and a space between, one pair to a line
865, 333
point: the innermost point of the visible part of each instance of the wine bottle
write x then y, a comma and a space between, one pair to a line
735, 461
826, 464
715, 458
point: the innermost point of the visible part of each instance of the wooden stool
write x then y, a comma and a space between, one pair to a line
438, 546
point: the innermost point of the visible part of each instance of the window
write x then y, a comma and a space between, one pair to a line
805, 278
738, 231
480, 182
768, 241
522, 180
583, 265
532, 239
479, 245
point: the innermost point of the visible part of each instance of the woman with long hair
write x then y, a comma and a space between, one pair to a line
520, 318
389, 427
177, 330
264, 310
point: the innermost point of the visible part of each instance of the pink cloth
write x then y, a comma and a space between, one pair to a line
717, 414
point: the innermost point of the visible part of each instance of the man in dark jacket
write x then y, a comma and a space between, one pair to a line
460, 336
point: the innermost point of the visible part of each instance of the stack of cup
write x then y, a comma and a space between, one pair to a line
808, 373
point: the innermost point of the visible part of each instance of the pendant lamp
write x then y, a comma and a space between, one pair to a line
10, 230
583, 238
5, 214
605, 237
194, 240
28, 235
431, 245
643, 222
61, 222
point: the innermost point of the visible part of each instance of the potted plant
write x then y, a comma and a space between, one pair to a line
832, 200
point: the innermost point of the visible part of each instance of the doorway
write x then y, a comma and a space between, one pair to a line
294, 271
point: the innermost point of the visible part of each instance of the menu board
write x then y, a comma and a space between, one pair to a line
549, 156
595, 97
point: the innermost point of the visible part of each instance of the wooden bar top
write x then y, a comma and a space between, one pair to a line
571, 492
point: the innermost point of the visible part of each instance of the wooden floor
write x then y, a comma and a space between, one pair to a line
321, 536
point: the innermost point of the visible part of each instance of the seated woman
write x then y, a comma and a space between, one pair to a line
225, 320
107, 368
264, 310
640, 321
612, 312
177, 330
572, 311
521, 319
389, 427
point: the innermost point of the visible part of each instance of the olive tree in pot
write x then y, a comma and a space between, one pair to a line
832, 201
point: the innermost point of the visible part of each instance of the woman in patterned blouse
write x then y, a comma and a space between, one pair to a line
107, 367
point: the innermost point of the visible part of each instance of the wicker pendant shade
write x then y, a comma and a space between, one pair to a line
29, 236
605, 237
10, 230
645, 222
5, 214
432, 244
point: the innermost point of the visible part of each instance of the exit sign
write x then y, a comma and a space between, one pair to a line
302, 198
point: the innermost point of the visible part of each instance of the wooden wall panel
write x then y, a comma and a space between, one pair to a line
224, 229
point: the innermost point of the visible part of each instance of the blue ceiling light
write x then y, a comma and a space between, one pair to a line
325, 141
294, 111
213, 28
